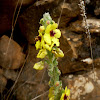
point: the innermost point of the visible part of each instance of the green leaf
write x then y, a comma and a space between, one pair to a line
47, 61
47, 17
50, 73
55, 62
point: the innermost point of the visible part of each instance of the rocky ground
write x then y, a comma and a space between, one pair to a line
18, 79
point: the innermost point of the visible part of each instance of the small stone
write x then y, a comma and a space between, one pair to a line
88, 60
68, 39
98, 81
70, 76
75, 39
89, 87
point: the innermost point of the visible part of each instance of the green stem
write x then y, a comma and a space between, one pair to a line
54, 74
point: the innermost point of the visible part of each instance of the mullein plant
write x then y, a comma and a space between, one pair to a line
47, 42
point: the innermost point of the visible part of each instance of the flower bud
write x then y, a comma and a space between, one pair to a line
42, 28
39, 65
42, 53
48, 22
57, 83
41, 21
58, 52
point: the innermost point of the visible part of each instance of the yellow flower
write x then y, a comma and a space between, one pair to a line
41, 44
39, 65
58, 52
52, 34
39, 41
52, 98
51, 93
65, 95
42, 53
38, 45
48, 47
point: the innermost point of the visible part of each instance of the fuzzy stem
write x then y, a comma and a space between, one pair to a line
54, 74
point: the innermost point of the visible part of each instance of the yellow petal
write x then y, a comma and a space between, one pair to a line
42, 41
51, 27
42, 53
39, 65
47, 38
46, 46
58, 33
52, 98
68, 92
54, 26
40, 34
51, 90
62, 96
60, 52
52, 44
48, 29
55, 41
38, 45
66, 89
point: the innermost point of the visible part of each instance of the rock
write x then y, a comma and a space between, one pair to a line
32, 82
97, 8
79, 26
29, 20
27, 2
94, 25
70, 63
7, 8
1, 71
97, 62
28, 70
32, 92
10, 53
69, 9
76, 48
80, 43
97, 11
84, 86
10, 74
93, 7
3, 82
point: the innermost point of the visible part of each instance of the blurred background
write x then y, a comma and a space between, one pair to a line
19, 24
